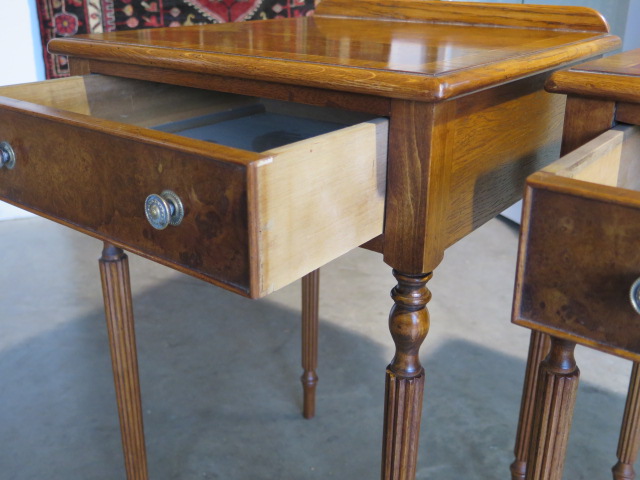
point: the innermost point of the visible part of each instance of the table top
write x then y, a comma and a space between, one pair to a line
418, 50
613, 78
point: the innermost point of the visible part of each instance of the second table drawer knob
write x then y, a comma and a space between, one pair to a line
634, 294
163, 210
7, 156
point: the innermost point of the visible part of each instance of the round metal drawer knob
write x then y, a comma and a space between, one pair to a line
164, 210
7, 156
634, 295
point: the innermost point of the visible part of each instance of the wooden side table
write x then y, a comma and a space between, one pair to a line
577, 260
442, 116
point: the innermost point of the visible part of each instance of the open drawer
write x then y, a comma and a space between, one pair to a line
297, 187
579, 255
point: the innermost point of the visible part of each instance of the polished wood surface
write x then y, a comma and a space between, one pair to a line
440, 51
623, 65
574, 309
589, 265
247, 226
555, 398
584, 120
628, 113
505, 15
538, 350
419, 60
467, 117
496, 145
116, 288
613, 78
375, 105
629, 441
141, 162
409, 325
415, 203
309, 379
593, 152
480, 149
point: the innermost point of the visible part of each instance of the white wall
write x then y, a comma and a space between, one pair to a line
21, 55
632, 34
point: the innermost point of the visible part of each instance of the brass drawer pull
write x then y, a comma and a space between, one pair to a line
7, 156
634, 295
164, 210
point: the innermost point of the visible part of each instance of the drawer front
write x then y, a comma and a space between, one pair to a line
97, 182
89, 150
579, 253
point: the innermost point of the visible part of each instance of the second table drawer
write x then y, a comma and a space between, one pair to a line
579, 252
85, 156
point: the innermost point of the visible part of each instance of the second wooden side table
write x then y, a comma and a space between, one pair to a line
577, 260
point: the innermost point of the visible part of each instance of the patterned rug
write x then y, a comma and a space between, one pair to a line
61, 18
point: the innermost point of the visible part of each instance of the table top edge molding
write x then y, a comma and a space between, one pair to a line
608, 86
387, 83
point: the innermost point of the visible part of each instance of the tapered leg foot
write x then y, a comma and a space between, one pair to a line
555, 399
538, 350
409, 324
310, 296
629, 441
116, 288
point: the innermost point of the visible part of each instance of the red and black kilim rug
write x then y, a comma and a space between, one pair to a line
59, 18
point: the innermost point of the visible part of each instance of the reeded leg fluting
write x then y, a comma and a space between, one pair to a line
409, 324
629, 441
538, 350
310, 297
553, 412
116, 288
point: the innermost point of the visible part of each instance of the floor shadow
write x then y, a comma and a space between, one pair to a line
222, 400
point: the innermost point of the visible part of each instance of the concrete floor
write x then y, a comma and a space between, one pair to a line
220, 373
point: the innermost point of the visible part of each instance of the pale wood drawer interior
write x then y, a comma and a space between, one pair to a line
612, 159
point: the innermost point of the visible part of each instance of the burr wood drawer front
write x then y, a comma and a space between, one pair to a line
579, 257
268, 191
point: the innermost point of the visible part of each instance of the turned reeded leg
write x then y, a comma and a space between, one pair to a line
409, 324
310, 294
116, 288
553, 412
538, 350
629, 441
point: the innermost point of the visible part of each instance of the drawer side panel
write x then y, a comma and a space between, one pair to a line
317, 199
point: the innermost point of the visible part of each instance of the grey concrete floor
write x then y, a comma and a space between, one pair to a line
220, 373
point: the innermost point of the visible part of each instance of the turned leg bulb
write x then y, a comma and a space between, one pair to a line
409, 322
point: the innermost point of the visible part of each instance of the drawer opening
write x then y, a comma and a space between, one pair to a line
254, 128
237, 121
610, 159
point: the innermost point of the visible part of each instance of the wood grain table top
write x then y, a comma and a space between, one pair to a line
416, 50
612, 78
